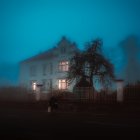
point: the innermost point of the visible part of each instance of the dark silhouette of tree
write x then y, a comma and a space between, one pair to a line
90, 64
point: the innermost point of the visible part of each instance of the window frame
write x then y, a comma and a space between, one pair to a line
44, 69
61, 84
32, 70
33, 85
44, 81
51, 67
63, 66
63, 50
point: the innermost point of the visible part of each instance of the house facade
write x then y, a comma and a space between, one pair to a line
48, 71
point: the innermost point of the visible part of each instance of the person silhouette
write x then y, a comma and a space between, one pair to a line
53, 103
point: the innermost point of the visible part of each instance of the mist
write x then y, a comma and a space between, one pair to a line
29, 27
131, 59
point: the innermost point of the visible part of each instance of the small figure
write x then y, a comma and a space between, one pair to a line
49, 109
53, 104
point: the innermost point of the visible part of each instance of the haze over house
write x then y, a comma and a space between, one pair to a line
48, 70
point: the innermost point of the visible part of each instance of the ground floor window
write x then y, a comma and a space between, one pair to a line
62, 84
43, 88
33, 85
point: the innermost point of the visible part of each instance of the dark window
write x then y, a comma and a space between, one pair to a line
44, 69
33, 70
51, 68
63, 50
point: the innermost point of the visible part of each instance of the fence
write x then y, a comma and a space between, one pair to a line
13, 94
89, 95
132, 94
105, 97
84, 93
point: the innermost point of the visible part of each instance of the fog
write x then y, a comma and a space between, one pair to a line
29, 27
131, 57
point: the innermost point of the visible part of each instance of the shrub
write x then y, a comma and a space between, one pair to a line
13, 94
61, 94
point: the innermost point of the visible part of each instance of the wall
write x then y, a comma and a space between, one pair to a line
58, 55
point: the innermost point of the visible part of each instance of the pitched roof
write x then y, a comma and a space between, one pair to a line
49, 53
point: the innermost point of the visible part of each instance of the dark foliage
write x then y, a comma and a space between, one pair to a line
90, 64
13, 94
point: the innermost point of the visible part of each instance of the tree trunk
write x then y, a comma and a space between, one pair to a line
91, 80
91, 83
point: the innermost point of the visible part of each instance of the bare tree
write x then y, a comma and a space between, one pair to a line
90, 64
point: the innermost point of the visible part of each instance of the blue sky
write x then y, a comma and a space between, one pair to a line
28, 27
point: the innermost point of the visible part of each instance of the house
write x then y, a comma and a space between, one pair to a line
47, 71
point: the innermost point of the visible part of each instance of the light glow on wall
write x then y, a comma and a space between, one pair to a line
120, 90
62, 84
34, 86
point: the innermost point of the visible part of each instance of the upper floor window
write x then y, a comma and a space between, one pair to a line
63, 66
44, 69
33, 70
44, 85
51, 68
63, 50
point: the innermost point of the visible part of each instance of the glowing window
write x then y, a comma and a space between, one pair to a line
34, 85
64, 66
62, 84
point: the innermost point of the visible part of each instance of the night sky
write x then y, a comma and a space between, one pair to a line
28, 27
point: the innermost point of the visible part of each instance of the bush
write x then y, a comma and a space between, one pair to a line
13, 94
62, 94
132, 93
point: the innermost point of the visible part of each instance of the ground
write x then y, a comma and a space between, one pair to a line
31, 120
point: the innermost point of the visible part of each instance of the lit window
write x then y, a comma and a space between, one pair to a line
63, 66
62, 84
33, 84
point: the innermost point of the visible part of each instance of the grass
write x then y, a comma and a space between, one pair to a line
23, 120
